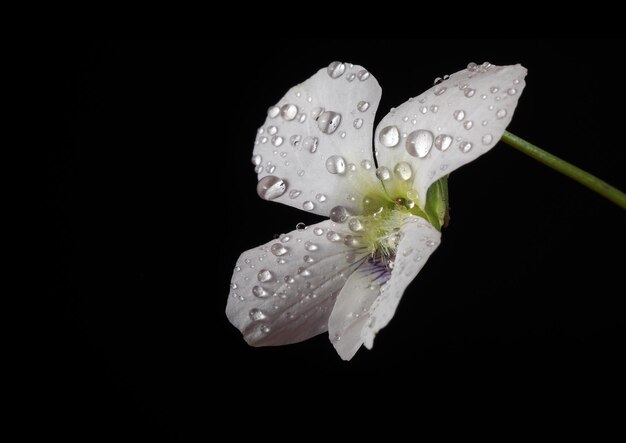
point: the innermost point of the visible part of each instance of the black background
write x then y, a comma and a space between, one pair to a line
151, 198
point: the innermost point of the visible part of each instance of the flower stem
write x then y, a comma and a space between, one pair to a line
565, 168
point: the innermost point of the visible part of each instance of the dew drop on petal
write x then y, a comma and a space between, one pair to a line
295, 140
336, 69
259, 292
501, 113
272, 130
440, 90
366, 164
363, 75
336, 164
487, 139
257, 315
383, 173
318, 231
256, 159
308, 205
300, 226
264, 276
288, 111
443, 142
389, 136
277, 140
467, 124
355, 225
320, 198
511, 91
418, 143
358, 123
310, 144
316, 112
363, 106
294, 193
403, 171
328, 122
273, 112
333, 236
270, 187
469, 92
339, 214
277, 249
465, 146
458, 115
309, 246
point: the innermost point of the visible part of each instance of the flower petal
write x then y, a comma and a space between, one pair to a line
314, 150
419, 240
283, 292
369, 299
450, 124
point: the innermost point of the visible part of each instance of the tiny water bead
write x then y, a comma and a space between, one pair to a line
277, 249
358, 123
336, 69
366, 164
273, 111
355, 225
333, 236
501, 113
264, 276
383, 173
294, 140
328, 122
310, 246
300, 226
277, 140
339, 214
443, 142
467, 124
465, 146
363, 75
320, 198
335, 164
308, 205
294, 193
363, 106
487, 139
272, 130
389, 136
458, 115
403, 171
259, 292
288, 111
257, 315
318, 231
310, 144
418, 143
270, 187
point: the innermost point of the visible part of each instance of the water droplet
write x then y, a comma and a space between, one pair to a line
257, 315
467, 124
434, 109
308, 259
342, 134
320, 198
389, 136
351, 241
300, 172
494, 89
270, 187
423, 109
259, 292
263, 139
284, 238
458, 115
336, 69
257, 159
277, 140
316, 112
516, 82
383, 173
333, 236
288, 111
294, 193
437, 81
351, 77
431, 243
335, 338
419, 143
318, 231
233, 286
471, 66
271, 130
484, 123
511, 91
237, 268
465, 146
309, 246
366, 164
501, 113
264, 275
470, 92
440, 90
271, 168
363, 75
304, 272
339, 214
487, 139
310, 144
355, 225
289, 279
403, 171
483, 97
308, 205
295, 140
300, 226
443, 142
335, 164
278, 249
273, 112
265, 329
363, 106
329, 121
351, 167
358, 123
302, 117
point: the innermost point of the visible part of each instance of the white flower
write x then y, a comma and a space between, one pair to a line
346, 275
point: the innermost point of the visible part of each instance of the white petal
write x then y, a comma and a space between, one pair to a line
419, 240
283, 292
350, 314
451, 124
320, 156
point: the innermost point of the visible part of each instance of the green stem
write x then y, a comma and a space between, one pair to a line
565, 168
